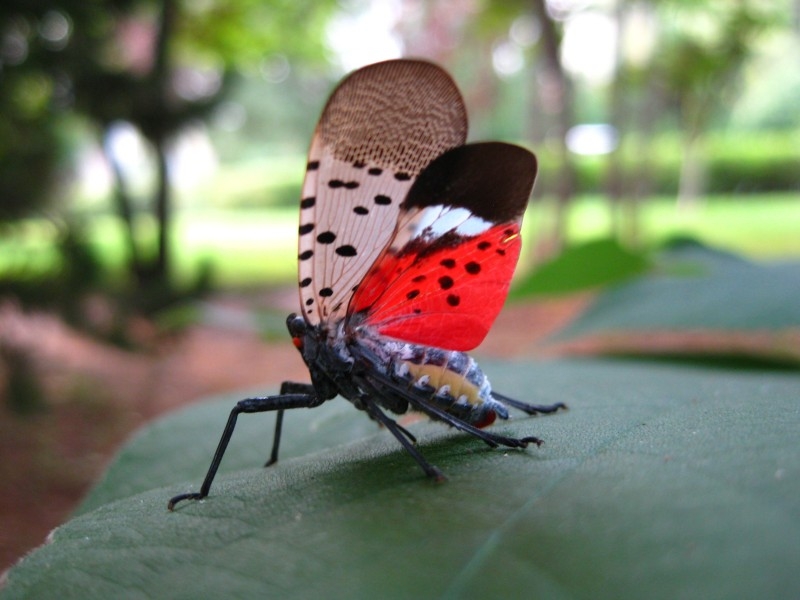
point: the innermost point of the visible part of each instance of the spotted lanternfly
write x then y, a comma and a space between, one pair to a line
408, 241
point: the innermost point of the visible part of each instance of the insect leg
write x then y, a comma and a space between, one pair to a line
492, 439
250, 405
531, 409
402, 436
411, 437
287, 387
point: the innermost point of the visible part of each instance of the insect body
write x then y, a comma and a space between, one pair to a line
408, 240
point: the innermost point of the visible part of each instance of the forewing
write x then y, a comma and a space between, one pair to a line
381, 127
445, 276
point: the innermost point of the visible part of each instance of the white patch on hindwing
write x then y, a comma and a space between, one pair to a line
434, 221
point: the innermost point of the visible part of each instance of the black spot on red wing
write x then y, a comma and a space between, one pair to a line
346, 250
326, 292
383, 200
402, 176
501, 252
375, 171
448, 263
472, 268
306, 282
307, 202
412, 294
305, 255
417, 311
453, 299
419, 278
309, 302
446, 282
312, 165
306, 228
326, 237
484, 245
361, 210
509, 232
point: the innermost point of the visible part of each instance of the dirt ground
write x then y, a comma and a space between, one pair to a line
97, 395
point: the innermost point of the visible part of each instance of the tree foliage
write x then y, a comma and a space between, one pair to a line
156, 64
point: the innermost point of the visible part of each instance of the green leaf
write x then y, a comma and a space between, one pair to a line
659, 482
702, 301
581, 267
711, 290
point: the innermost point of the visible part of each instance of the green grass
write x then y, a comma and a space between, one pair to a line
245, 248
760, 226
257, 246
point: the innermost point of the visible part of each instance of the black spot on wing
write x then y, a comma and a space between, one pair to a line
346, 250
305, 255
312, 165
472, 268
305, 282
382, 200
308, 202
326, 237
326, 292
361, 210
306, 228
448, 263
453, 299
375, 171
446, 282
338, 183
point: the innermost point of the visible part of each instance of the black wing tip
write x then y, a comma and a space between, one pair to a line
492, 180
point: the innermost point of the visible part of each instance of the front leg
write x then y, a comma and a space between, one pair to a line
287, 387
280, 403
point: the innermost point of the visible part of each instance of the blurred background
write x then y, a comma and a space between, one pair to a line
152, 152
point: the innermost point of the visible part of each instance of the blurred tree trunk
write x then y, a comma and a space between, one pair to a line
162, 202
617, 110
161, 87
559, 104
634, 102
123, 205
640, 185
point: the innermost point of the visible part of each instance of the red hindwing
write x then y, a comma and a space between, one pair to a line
445, 274
444, 295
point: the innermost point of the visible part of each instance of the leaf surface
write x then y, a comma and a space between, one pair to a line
661, 481
702, 302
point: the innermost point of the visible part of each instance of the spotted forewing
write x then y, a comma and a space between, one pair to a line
381, 127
